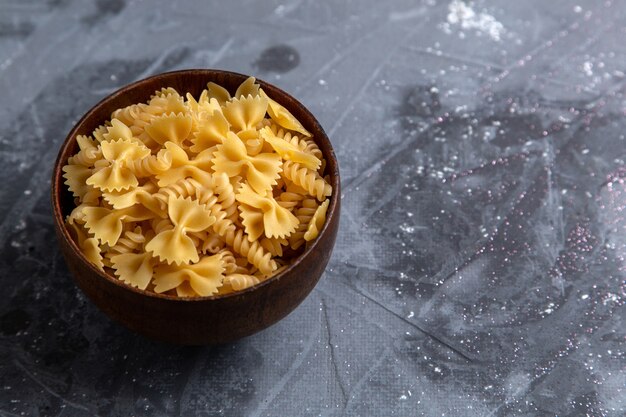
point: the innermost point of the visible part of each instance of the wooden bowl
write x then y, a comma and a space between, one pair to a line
202, 320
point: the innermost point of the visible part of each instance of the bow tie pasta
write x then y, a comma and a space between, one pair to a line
197, 197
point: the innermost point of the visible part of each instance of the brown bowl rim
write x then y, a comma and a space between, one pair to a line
57, 180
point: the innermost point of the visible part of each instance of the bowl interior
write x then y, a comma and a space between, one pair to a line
186, 81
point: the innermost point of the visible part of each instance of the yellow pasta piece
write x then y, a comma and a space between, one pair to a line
88, 245
292, 196
183, 167
274, 245
204, 277
174, 246
117, 176
173, 128
304, 214
212, 244
85, 142
247, 88
253, 142
107, 224
225, 195
166, 104
99, 132
240, 282
132, 241
89, 153
316, 222
263, 215
237, 240
307, 179
261, 171
307, 146
143, 195
218, 92
212, 130
151, 164
289, 151
204, 106
160, 225
77, 215
76, 180
118, 131
164, 92
135, 269
229, 261
245, 112
137, 117
283, 117
91, 250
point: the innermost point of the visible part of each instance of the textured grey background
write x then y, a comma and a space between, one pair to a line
480, 264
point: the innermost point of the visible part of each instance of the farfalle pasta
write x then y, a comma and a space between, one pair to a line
197, 196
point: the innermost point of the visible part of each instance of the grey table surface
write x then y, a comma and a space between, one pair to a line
480, 266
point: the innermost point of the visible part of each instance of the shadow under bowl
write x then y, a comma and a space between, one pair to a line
201, 320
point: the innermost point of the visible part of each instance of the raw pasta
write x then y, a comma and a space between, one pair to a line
197, 197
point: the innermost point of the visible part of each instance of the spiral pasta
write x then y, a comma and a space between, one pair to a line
129, 242
151, 165
274, 245
198, 197
229, 261
304, 214
237, 239
187, 187
213, 244
306, 145
240, 282
307, 179
86, 157
289, 200
161, 225
225, 195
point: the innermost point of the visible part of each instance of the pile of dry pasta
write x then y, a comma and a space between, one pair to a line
197, 197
